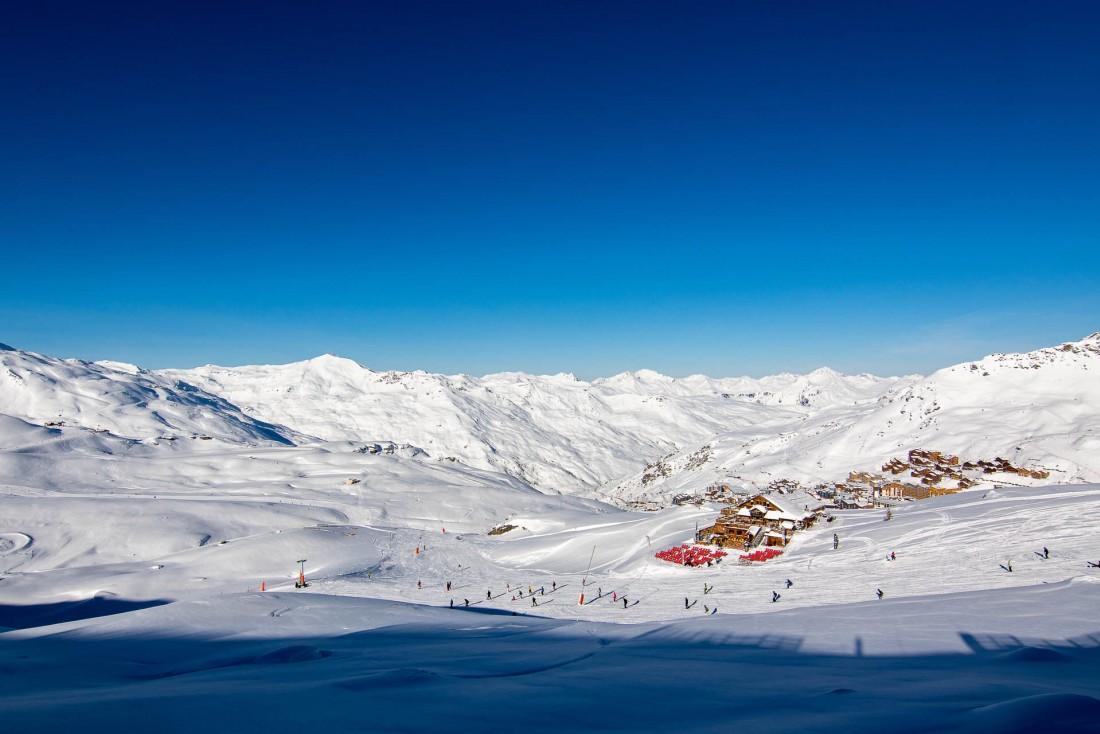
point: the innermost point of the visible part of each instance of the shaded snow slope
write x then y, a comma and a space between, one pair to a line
121, 399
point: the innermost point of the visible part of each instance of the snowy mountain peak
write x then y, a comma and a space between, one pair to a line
121, 399
333, 361
130, 369
1092, 340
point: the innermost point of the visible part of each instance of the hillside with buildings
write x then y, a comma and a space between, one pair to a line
1036, 411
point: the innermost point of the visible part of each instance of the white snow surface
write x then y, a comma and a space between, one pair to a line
131, 565
121, 399
555, 432
1038, 409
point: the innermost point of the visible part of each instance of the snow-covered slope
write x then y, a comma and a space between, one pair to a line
1038, 409
556, 432
130, 569
120, 399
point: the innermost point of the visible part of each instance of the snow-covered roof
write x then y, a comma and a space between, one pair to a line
794, 506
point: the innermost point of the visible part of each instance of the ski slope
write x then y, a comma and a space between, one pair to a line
131, 564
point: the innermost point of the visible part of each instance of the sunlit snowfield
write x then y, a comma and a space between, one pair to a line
956, 640
141, 515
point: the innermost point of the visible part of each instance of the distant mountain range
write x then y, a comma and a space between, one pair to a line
637, 436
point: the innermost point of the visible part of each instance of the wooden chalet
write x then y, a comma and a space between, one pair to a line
763, 519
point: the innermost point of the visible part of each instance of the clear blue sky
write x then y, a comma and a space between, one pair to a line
720, 187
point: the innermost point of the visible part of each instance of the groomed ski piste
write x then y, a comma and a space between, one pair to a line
130, 582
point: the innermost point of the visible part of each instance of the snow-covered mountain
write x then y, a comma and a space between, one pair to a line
634, 436
1039, 409
556, 432
120, 399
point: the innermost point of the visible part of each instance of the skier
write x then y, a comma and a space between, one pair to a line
614, 596
686, 603
789, 583
466, 602
553, 585
836, 541
534, 602
599, 592
448, 586
542, 591
706, 609
418, 584
1046, 553
452, 603
775, 597
624, 602
879, 594
513, 597
893, 556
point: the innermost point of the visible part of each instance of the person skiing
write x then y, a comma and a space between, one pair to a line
489, 595
448, 586
614, 596
624, 602
418, 584
599, 592
686, 603
893, 556
452, 603
836, 541
466, 602
513, 597
542, 591
789, 583
775, 597
553, 585
878, 593
1046, 553
534, 602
